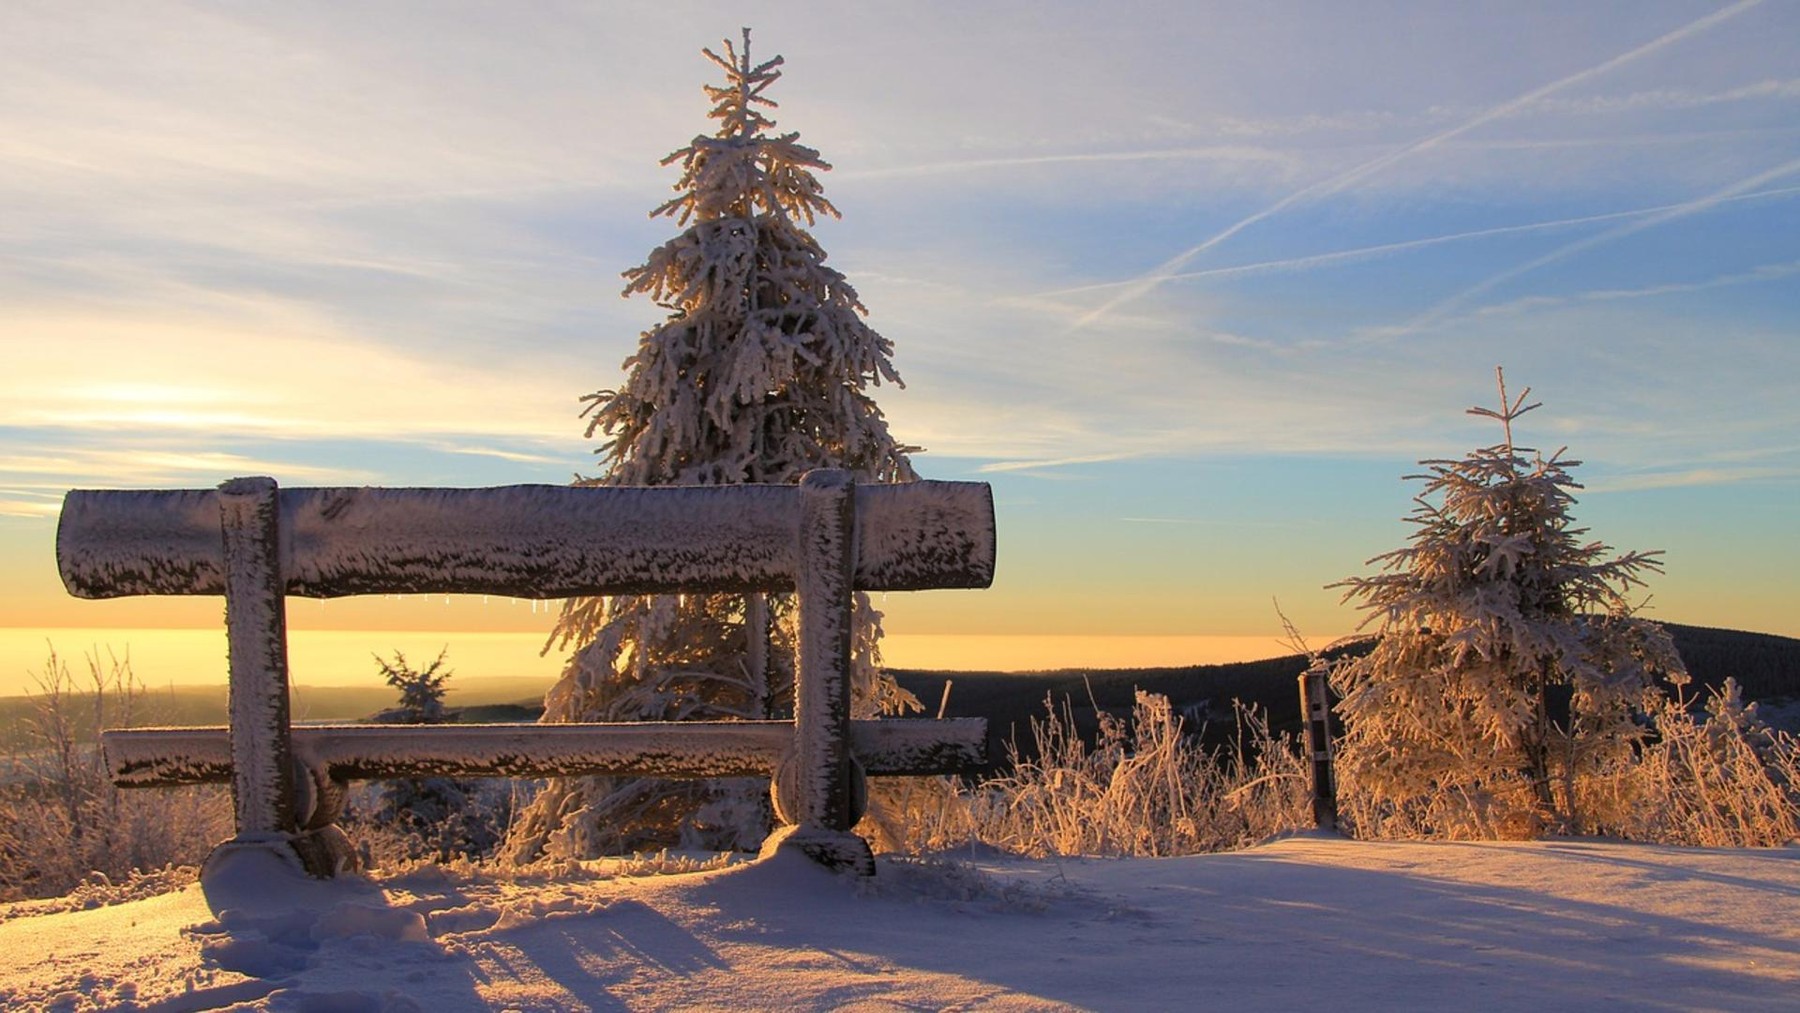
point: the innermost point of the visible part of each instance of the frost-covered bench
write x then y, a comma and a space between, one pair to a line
255, 544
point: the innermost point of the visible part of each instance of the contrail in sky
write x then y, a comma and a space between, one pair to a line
1168, 269
1365, 252
1711, 200
1215, 152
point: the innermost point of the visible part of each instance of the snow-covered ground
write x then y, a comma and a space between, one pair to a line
1303, 922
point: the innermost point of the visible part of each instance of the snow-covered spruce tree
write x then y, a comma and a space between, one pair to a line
1508, 664
759, 373
421, 690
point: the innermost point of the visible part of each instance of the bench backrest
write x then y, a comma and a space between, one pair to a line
527, 541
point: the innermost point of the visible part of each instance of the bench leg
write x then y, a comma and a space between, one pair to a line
262, 756
820, 788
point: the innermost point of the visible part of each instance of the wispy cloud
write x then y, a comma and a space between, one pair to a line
140, 467
276, 369
1446, 307
1369, 121
1757, 275
1285, 161
1697, 476
1782, 90
29, 508
1049, 464
1385, 249
1147, 283
516, 457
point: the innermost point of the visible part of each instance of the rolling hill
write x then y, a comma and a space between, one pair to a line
1765, 665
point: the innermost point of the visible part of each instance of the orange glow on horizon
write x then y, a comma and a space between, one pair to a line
165, 657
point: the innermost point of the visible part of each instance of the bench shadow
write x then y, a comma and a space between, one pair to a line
1248, 925
603, 959
1265, 928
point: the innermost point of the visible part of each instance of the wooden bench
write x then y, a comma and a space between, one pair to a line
255, 544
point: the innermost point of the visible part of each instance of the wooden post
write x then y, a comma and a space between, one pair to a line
1315, 705
822, 705
821, 790
262, 781
268, 843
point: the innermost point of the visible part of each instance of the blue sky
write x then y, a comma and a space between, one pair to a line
1193, 285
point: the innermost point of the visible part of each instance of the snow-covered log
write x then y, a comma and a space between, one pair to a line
163, 757
527, 541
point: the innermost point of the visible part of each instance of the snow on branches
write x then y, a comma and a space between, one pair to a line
760, 372
1508, 662
762, 368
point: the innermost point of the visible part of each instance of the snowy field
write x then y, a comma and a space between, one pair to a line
1304, 922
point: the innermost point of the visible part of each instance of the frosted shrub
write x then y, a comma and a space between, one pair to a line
446, 821
63, 824
1718, 779
1143, 789
915, 815
421, 689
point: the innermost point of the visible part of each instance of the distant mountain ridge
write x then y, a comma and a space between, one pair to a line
1767, 666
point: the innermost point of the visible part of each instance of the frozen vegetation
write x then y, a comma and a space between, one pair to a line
1517, 763
1022, 912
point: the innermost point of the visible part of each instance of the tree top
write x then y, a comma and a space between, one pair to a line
744, 170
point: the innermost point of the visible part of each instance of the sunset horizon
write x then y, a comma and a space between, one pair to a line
809, 505
1193, 304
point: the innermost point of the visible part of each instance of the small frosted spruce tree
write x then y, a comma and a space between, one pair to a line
433, 817
421, 689
760, 372
1508, 664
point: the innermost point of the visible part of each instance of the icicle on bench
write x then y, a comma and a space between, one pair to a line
254, 544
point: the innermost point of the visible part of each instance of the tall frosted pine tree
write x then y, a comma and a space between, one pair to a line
1509, 669
760, 372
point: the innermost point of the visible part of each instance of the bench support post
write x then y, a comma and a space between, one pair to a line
821, 789
263, 779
